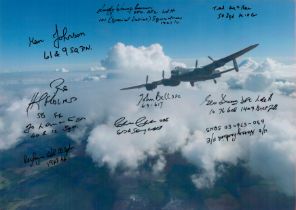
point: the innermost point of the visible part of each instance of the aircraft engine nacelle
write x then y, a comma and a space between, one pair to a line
151, 86
169, 82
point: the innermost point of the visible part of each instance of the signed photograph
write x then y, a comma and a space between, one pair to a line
147, 105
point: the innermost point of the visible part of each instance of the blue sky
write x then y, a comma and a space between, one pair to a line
198, 35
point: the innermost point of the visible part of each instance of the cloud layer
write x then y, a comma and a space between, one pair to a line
13, 119
101, 102
268, 75
129, 58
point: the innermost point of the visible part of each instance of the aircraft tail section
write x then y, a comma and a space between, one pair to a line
235, 65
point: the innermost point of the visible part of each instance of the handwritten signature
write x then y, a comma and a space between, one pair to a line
140, 122
208, 101
46, 98
141, 125
56, 155
64, 36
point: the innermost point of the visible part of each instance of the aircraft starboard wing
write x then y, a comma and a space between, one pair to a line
237, 54
223, 61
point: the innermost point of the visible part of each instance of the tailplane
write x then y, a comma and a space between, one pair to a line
235, 65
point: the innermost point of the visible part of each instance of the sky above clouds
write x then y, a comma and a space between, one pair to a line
198, 35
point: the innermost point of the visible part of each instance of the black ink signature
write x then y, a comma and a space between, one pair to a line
64, 37
46, 98
33, 159
33, 41
226, 101
140, 122
56, 155
208, 101
58, 151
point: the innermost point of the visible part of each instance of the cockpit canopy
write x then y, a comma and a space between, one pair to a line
178, 70
174, 72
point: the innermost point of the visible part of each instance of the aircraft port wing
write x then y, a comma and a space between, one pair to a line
148, 86
134, 87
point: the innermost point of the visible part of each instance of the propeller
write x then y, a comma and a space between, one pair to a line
196, 63
146, 79
162, 74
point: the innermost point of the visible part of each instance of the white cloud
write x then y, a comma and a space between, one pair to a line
13, 120
206, 156
159, 165
248, 63
63, 70
273, 155
258, 82
175, 64
130, 58
267, 65
130, 151
97, 68
94, 77
285, 87
267, 75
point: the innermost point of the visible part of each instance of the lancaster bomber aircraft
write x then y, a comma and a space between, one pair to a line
192, 75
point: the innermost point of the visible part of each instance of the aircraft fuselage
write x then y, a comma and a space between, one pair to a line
194, 75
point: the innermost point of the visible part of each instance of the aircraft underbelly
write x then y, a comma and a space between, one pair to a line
198, 77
